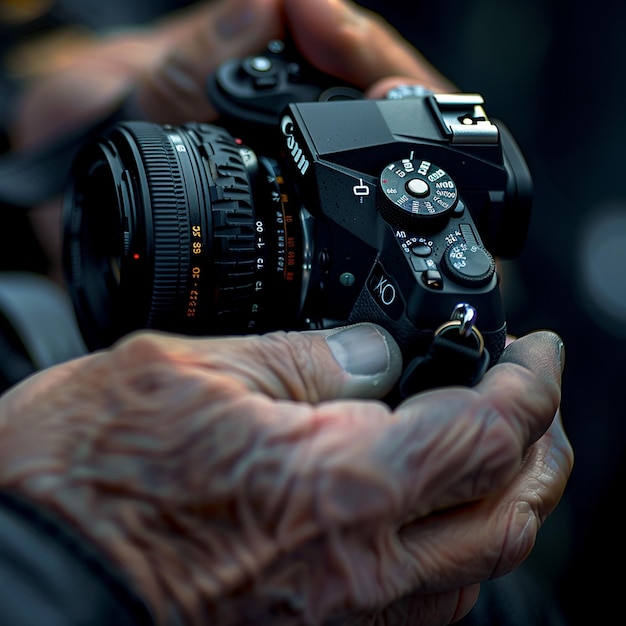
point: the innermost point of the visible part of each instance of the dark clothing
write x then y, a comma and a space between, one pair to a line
50, 577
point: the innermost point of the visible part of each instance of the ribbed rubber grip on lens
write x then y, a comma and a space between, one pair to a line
234, 254
170, 220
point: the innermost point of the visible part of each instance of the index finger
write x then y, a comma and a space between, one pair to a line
357, 45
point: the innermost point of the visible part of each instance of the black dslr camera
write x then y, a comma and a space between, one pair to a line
308, 207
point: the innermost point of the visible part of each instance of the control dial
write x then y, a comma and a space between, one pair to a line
416, 193
467, 262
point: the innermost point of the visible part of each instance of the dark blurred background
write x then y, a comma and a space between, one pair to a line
555, 73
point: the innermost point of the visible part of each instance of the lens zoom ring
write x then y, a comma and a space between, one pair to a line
234, 253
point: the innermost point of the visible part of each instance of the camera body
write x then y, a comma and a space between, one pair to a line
328, 208
383, 252
409, 197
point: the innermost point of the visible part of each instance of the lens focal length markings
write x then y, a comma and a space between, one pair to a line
196, 207
195, 270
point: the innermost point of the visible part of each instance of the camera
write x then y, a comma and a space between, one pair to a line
308, 206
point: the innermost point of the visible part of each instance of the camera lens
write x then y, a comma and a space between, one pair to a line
181, 229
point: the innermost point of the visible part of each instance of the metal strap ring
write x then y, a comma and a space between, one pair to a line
457, 325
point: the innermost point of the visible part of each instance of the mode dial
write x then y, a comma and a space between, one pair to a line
416, 193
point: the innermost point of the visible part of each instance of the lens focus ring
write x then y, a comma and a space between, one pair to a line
170, 221
231, 226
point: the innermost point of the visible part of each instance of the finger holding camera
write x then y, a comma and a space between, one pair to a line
358, 46
247, 480
336, 36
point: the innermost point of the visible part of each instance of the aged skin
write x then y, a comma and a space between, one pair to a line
237, 481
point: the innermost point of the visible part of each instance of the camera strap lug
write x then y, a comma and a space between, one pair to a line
457, 356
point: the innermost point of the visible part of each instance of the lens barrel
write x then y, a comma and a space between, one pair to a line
180, 229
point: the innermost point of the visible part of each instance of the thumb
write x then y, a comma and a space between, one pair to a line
369, 358
357, 361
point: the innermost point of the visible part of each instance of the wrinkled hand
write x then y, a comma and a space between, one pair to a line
166, 64
250, 481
